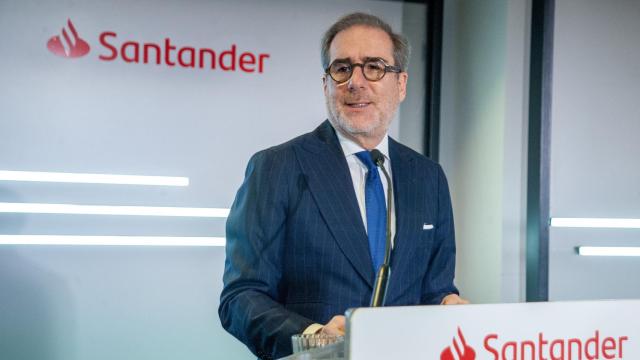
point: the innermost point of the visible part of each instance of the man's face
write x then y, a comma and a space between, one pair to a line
360, 108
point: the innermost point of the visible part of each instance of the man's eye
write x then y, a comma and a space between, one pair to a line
375, 66
342, 68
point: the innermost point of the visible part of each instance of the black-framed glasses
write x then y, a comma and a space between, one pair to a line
373, 69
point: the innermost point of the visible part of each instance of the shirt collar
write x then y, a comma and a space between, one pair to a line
350, 147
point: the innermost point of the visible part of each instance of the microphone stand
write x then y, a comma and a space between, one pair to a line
382, 278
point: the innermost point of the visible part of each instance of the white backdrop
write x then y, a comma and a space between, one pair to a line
86, 115
94, 116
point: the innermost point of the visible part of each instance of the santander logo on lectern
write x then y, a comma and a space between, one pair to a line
71, 45
462, 350
157, 53
540, 347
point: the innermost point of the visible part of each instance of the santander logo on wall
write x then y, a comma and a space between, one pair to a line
540, 347
70, 44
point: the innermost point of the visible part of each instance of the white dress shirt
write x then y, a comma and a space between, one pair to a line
359, 173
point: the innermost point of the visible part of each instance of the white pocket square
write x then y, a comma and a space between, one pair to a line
427, 226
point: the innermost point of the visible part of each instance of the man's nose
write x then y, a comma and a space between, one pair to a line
357, 79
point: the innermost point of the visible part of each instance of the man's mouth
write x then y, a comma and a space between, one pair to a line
358, 105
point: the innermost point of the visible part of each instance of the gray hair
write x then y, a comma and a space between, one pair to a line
400, 44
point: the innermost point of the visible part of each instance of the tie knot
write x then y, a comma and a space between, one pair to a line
367, 160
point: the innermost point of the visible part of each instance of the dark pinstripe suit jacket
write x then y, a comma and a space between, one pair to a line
297, 250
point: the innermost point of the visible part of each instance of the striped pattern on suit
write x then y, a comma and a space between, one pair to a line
297, 250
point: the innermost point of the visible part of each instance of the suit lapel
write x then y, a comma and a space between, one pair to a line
329, 180
404, 184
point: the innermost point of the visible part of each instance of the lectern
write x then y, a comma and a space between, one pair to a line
551, 330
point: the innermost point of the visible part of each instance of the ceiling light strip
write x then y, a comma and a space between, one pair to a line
596, 223
608, 251
110, 240
73, 209
113, 179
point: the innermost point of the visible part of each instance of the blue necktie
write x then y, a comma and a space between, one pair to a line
376, 210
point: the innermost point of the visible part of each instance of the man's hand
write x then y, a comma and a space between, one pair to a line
335, 326
453, 299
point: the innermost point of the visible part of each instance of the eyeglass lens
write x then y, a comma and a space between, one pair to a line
373, 70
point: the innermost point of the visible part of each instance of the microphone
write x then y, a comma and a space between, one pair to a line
382, 278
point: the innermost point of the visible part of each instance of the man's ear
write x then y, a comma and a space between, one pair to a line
402, 84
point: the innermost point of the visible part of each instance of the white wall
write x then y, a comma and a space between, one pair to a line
483, 142
412, 111
90, 116
595, 172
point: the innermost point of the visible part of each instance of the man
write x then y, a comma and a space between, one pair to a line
306, 228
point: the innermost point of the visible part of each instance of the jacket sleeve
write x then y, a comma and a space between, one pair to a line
438, 281
251, 303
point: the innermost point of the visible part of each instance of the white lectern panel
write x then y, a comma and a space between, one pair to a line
553, 331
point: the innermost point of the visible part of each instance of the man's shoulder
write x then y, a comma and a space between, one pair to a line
408, 153
282, 157
287, 146
308, 140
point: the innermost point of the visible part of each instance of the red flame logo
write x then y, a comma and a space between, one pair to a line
68, 46
462, 350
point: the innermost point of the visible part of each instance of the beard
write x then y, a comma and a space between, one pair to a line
378, 124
